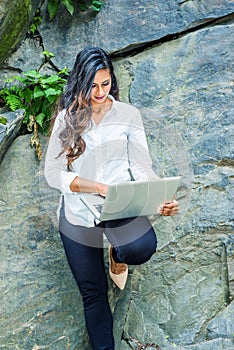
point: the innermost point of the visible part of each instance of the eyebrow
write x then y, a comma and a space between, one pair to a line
105, 81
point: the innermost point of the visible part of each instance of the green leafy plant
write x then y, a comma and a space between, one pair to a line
47, 54
37, 95
37, 20
54, 5
3, 120
97, 5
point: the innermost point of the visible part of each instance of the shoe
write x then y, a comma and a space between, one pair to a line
118, 271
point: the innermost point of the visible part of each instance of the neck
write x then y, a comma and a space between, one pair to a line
103, 108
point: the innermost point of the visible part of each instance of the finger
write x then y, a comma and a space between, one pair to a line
167, 209
169, 212
170, 204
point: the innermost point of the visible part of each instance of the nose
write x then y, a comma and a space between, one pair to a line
99, 90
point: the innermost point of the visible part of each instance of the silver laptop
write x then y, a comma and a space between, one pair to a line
131, 199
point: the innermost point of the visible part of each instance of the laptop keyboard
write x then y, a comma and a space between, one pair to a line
98, 207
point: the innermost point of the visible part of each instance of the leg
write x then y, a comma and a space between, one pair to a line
134, 240
87, 266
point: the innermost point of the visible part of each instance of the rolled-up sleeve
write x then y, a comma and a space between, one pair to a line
138, 153
55, 170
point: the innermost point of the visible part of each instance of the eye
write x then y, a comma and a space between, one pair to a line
106, 83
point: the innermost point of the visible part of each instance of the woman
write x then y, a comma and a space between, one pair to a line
96, 140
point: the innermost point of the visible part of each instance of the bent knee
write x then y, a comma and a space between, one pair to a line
137, 252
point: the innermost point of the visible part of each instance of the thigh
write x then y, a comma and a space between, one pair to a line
134, 239
125, 231
84, 250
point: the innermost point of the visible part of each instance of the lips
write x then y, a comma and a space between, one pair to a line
99, 97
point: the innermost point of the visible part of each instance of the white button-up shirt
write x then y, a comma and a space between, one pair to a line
116, 150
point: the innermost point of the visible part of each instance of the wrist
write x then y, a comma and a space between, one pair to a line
101, 188
98, 186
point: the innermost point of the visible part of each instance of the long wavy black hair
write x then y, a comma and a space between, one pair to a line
76, 98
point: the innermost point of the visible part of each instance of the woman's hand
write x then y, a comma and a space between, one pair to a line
103, 190
169, 209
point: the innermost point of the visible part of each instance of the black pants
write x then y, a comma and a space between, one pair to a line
84, 251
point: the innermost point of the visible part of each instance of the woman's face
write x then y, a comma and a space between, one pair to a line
101, 87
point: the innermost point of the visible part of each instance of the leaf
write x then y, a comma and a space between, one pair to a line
51, 79
26, 94
32, 74
16, 77
46, 108
14, 102
69, 6
3, 120
53, 7
40, 119
36, 22
63, 71
4, 93
33, 28
48, 53
97, 5
52, 92
38, 92
36, 106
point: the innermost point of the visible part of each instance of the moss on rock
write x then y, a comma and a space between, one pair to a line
15, 18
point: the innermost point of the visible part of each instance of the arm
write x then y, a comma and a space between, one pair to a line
138, 153
56, 172
83, 185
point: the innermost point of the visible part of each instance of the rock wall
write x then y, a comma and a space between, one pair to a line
174, 61
15, 17
9, 129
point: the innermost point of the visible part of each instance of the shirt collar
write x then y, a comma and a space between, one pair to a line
113, 101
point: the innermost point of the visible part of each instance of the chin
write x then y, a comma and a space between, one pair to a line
103, 100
